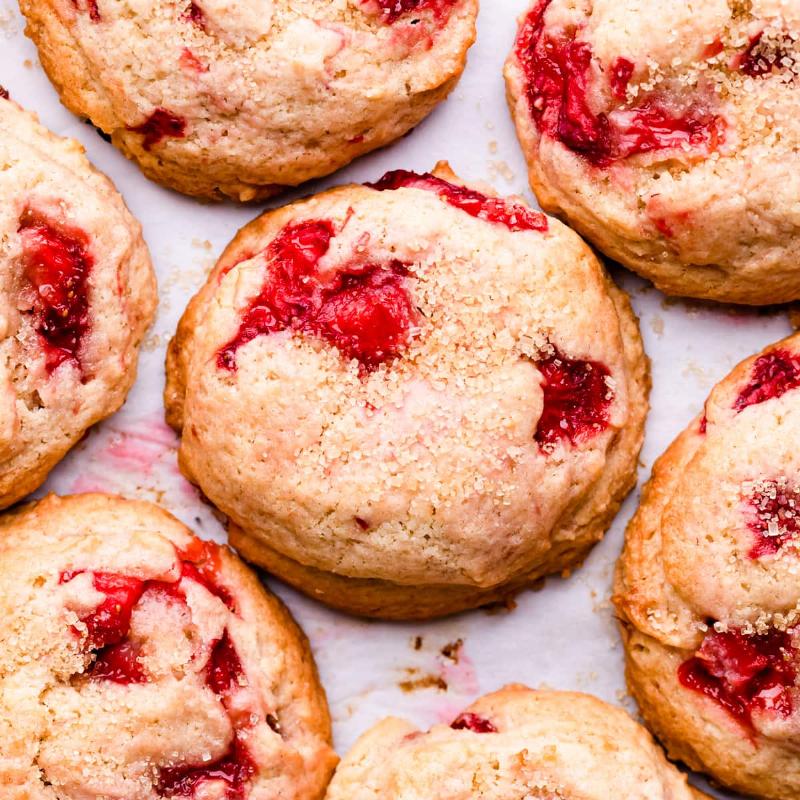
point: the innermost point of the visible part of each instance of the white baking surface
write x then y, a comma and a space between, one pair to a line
561, 636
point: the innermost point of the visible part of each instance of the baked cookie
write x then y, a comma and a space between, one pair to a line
409, 398
512, 744
77, 293
217, 98
667, 132
707, 585
139, 662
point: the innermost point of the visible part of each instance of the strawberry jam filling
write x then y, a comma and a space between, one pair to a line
773, 513
364, 311
234, 770
558, 71
107, 627
744, 674
392, 10
160, 125
201, 563
224, 667
110, 621
762, 59
472, 722
119, 663
57, 265
772, 375
577, 396
117, 659
621, 72
513, 216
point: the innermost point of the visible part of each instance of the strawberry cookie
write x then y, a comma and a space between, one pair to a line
77, 294
217, 98
513, 744
409, 398
139, 662
707, 586
667, 133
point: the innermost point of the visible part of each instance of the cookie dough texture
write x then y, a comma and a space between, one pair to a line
546, 746
698, 560
67, 734
45, 411
715, 215
240, 100
417, 488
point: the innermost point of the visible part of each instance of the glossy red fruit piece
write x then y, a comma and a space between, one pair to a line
393, 10
110, 621
57, 264
621, 72
119, 663
201, 562
473, 722
759, 60
513, 216
161, 124
577, 397
772, 375
107, 627
224, 667
364, 311
234, 770
744, 674
194, 14
558, 72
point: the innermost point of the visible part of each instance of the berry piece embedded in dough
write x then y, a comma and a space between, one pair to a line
772, 375
773, 515
161, 124
577, 396
513, 216
558, 72
233, 770
392, 10
57, 264
364, 310
472, 722
744, 674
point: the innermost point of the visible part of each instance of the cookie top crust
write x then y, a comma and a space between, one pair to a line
510, 744
138, 661
77, 293
427, 382
667, 133
211, 97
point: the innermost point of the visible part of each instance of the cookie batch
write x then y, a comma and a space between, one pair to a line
406, 398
